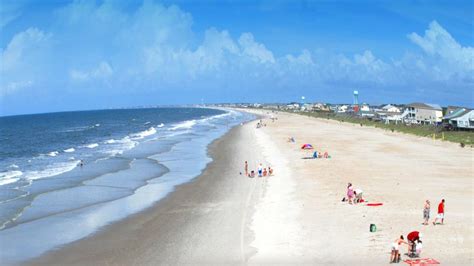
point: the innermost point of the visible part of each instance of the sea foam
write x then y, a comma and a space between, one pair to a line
146, 133
93, 145
184, 125
9, 177
53, 170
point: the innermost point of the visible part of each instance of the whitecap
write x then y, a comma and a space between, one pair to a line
53, 153
161, 125
8, 181
9, 177
97, 125
93, 145
146, 133
184, 125
53, 170
146, 123
110, 141
69, 150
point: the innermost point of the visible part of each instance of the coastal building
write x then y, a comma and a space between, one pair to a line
461, 118
422, 113
342, 108
391, 108
364, 107
320, 107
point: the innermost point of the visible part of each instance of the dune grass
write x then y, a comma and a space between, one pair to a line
462, 137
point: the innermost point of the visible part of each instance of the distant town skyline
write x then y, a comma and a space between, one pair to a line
81, 55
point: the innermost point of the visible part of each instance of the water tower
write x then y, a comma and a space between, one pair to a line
356, 102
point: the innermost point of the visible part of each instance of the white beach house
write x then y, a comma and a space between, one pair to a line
423, 113
391, 108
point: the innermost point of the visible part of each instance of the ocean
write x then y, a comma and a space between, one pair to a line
63, 176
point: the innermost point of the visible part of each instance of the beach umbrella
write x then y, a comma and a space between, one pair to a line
307, 147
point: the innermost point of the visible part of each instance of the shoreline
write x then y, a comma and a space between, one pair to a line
296, 216
186, 204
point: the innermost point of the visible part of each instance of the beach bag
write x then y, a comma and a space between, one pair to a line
372, 228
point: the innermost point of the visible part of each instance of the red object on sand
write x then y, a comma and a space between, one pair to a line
422, 262
413, 235
374, 204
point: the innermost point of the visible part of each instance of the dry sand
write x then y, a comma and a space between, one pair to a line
296, 216
401, 171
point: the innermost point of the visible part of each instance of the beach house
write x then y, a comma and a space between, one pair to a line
422, 113
390, 109
461, 118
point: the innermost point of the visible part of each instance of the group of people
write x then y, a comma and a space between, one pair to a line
317, 154
439, 216
353, 195
261, 171
261, 124
414, 238
414, 243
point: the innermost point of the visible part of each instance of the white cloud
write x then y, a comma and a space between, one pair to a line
255, 51
450, 57
101, 72
13, 86
154, 48
21, 62
21, 44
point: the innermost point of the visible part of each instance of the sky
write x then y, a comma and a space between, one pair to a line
58, 55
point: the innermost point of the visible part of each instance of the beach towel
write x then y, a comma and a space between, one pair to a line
422, 262
374, 204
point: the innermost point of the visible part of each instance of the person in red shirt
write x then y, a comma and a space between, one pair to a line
440, 213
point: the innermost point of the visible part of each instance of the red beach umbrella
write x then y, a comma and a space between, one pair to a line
307, 147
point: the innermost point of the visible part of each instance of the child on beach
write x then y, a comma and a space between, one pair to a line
265, 172
419, 247
260, 170
426, 212
350, 193
270, 171
252, 174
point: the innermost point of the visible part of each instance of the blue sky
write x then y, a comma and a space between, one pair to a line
74, 55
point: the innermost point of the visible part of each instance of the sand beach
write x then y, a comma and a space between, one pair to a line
296, 216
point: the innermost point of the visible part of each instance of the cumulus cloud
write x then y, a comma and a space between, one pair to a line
20, 61
437, 41
153, 48
445, 56
254, 50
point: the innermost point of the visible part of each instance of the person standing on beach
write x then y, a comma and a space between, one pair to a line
350, 193
426, 212
246, 168
440, 213
260, 170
